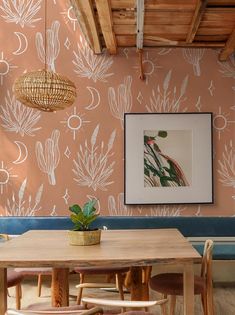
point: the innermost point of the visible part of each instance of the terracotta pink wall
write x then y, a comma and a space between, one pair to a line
177, 80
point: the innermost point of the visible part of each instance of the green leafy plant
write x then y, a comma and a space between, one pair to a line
83, 217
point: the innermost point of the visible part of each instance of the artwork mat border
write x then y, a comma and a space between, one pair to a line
210, 200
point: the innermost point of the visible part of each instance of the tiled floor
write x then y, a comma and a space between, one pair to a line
224, 296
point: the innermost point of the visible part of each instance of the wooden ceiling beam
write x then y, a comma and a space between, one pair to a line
106, 22
198, 13
84, 12
229, 47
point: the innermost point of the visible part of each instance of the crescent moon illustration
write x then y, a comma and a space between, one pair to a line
23, 43
23, 152
95, 98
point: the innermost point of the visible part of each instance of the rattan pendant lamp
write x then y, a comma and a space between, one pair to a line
43, 89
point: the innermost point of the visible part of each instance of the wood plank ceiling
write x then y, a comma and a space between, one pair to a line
157, 23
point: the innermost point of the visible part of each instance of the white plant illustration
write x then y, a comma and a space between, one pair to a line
118, 208
166, 211
21, 12
228, 67
18, 118
121, 102
227, 166
194, 56
49, 158
91, 66
19, 205
92, 167
165, 100
53, 45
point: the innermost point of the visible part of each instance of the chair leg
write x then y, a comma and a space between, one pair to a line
18, 296
163, 306
204, 303
79, 296
172, 304
209, 300
119, 279
39, 284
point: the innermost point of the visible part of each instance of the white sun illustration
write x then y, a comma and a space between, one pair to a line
149, 66
221, 122
5, 67
70, 17
5, 176
74, 122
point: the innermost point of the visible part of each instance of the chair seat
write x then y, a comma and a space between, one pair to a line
34, 271
13, 278
172, 284
100, 270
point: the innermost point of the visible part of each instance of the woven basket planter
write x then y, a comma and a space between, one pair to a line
45, 90
83, 238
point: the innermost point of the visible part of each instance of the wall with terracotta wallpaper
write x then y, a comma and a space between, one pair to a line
177, 80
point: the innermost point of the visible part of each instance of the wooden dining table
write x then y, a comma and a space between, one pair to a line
134, 248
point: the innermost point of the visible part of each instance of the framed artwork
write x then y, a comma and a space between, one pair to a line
168, 158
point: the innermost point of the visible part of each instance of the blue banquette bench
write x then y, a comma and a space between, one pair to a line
197, 229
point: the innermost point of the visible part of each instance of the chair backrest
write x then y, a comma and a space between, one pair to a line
206, 268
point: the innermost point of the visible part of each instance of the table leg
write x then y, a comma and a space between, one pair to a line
3, 290
60, 287
188, 290
139, 290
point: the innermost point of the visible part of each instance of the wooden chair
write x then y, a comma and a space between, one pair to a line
118, 272
172, 283
14, 279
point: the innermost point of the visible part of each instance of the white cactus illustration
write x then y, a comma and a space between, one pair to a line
228, 67
227, 166
118, 208
49, 158
165, 100
53, 45
121, 102
21, 12
166, 211
91, 66
18, 118
92, 167
19, 205
194, 56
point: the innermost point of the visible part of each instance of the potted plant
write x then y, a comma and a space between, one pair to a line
82, 218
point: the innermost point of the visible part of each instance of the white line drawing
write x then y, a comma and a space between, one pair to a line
92, 167
228, 67
21, 12
91, 66
118, 208
5, 67
67, 43
67, 152
5, 176
74, 122
227, 166
53, 211
23, 44
198, 213
97, 205
121, 102
19, 205
164, 51
194, 56
149, 66
199, 104
164, 100
49, 158
221, 121
140, 98
19, 118
95, 98
23, 152
53, 45
66, 196
69, 17
211, 88
126, 52
166, 211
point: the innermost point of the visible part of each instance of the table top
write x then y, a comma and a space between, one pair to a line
117, 248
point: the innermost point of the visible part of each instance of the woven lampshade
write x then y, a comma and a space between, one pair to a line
45, 90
